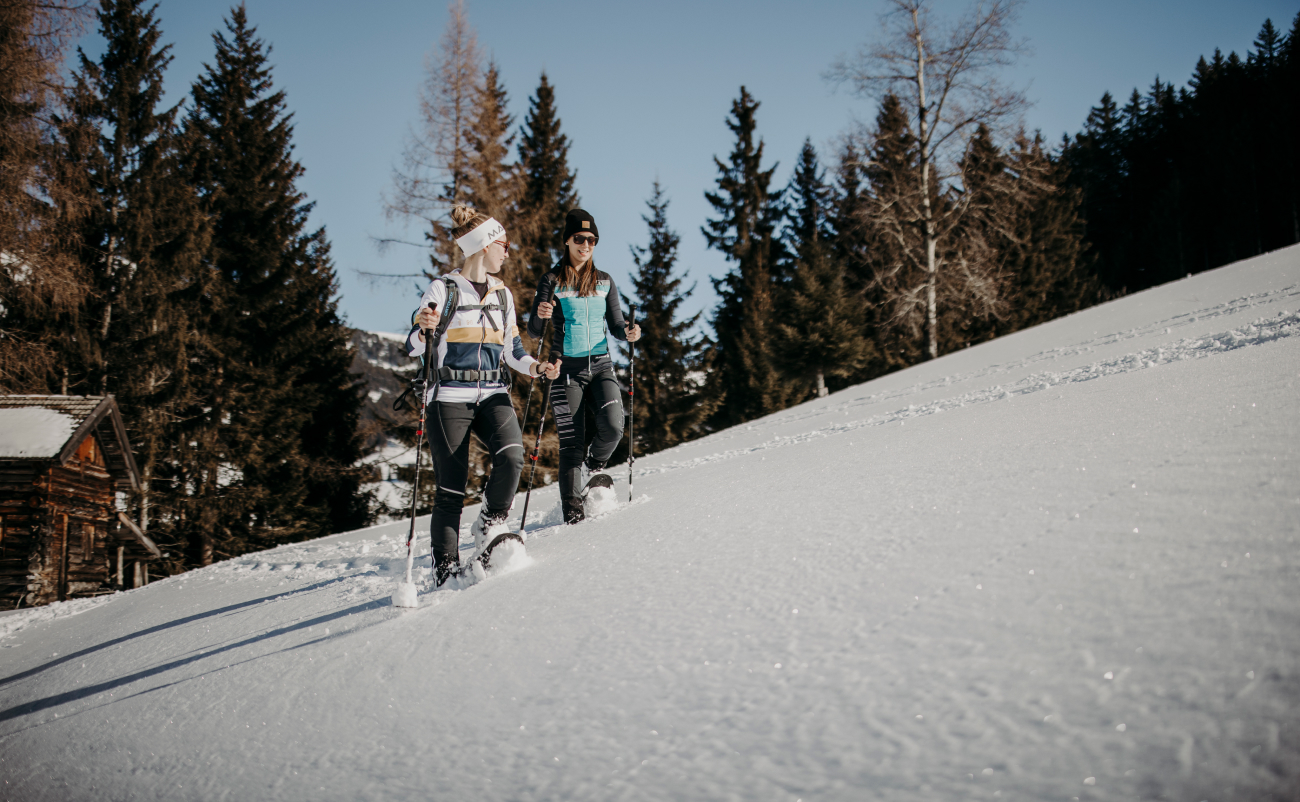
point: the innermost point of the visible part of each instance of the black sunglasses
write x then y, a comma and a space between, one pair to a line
585, 239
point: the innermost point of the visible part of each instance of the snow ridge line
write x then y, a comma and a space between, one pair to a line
1232, 307
1264, 330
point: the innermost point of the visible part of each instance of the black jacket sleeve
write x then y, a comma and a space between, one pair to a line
614, 313
545, 292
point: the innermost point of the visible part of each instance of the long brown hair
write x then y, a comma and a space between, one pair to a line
584, 280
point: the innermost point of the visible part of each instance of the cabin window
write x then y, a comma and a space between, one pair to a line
87, 541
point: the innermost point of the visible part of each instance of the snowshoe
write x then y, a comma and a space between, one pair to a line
598, 496
504, 549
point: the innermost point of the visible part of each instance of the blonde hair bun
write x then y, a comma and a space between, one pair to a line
466, 219
462, 214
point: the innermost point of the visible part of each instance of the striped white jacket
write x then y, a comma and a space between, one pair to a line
477, 339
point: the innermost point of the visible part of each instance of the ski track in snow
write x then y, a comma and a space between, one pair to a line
1264, 330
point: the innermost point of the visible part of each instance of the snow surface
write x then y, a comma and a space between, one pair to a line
1061, 565
33, 432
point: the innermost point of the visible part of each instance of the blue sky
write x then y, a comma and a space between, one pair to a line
643, 91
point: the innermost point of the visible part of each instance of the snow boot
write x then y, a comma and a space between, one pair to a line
486, 527
444, 571
573, 510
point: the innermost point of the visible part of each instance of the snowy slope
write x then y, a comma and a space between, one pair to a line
1060, 565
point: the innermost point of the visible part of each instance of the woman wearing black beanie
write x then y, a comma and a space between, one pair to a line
581, 302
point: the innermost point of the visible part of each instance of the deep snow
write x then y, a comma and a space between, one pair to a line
1060, 565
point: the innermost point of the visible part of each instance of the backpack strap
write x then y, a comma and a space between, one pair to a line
499, 305
450, 308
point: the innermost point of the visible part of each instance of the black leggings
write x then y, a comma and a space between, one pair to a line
568, 393
494, 421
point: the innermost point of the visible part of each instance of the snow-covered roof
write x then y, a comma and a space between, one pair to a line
51, 427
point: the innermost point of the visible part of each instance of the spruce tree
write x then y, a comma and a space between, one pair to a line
810, 203
670, 363
891, 216
1044, 255
141, 243
275, 429
548, 190
820, 322
491, 183
745, 380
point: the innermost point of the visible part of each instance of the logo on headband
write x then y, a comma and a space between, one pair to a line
482, 236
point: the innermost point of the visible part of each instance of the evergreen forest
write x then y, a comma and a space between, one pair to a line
162, 254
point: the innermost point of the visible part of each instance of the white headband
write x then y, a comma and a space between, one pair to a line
482, 236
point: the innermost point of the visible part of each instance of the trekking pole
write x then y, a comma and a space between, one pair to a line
405, 595
631, 406
533, 385
541, 426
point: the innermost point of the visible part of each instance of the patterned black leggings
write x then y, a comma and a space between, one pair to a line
568, 393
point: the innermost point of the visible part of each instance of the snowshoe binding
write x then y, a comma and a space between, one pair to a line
486, 528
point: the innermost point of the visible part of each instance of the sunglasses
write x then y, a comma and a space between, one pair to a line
505, 244
585, 239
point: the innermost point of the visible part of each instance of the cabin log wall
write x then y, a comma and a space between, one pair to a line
57, 526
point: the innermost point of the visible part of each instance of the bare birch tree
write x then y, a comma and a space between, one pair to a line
945, 78
431, 178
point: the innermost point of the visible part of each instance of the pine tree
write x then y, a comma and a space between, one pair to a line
275, 431
745, 380
820, 328
548, 191
670, 363
141, 243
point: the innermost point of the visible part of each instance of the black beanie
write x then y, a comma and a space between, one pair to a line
577, 221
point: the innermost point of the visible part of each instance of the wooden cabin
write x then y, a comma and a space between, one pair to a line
63, 462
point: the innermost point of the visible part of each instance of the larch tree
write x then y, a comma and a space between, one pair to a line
745, 379
430, 179
945, 80
41, 281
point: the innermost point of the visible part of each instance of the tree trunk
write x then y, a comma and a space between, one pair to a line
923, 154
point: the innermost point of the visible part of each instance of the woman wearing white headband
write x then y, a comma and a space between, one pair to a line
473, 393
